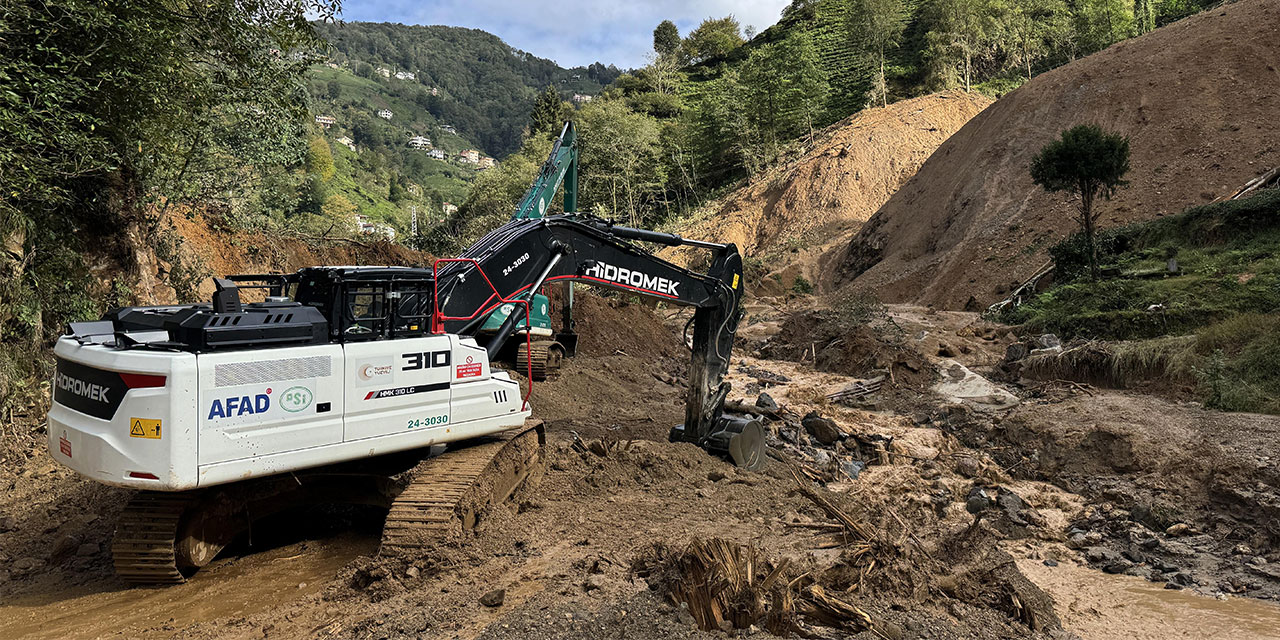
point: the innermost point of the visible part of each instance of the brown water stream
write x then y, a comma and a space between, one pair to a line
1100, 606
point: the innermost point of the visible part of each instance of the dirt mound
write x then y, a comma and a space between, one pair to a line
222, 251
834, 187
1196, 99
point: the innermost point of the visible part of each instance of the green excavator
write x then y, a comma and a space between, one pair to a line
549, 348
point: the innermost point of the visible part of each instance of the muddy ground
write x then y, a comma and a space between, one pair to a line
1102, 514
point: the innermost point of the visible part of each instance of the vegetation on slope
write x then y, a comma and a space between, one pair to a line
1214, 322
485, 88
715, 107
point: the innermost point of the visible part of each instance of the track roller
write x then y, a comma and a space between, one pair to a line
547, 356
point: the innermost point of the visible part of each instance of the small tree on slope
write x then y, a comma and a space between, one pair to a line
1088, 162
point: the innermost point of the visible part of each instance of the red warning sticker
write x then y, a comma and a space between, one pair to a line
470, 370
64, 445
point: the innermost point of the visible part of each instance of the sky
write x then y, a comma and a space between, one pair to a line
571, 32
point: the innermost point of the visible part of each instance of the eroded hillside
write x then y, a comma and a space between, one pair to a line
1197, 100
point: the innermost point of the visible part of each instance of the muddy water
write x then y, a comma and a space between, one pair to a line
1099, 606
228, 588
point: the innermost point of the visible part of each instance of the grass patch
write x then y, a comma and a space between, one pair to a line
1214, 324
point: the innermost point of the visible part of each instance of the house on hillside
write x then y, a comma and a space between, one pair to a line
366, 227
435, 91
326, 121
385, 114
420, 142
580, 98
486, 163
469, 156
406, 75
347, 142
450, 208
438, 154
384, 72
449, 128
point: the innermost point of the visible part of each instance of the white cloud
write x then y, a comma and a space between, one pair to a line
571, 32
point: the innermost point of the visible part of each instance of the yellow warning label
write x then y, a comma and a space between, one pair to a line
735, 281
144, 428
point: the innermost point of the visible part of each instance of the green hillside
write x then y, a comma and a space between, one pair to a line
484, 87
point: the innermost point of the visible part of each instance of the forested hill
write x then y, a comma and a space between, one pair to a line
484, 87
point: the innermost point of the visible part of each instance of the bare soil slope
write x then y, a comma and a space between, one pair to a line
856, 165
1197, 99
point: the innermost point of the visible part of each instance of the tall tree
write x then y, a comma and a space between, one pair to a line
784, 89
1102, 23
876, 26
1031, 30
713, 38
1089, 163
959, 31
666, 39
549, 114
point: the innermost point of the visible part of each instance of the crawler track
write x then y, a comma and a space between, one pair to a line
143, 548
448, 493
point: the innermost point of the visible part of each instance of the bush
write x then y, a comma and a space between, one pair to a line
802, 286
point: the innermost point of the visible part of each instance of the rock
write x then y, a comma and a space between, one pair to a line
1050, 563
686, 618
7, 524
766, 402
65, 546
494, 598
1257, 561
1076, 541
1242, 550
1173, 585
1183, 578
821, 458
945, 350
26, 565
717, 475
968, 466
852, 468
822, 429
1049, 341
1015, 352
593, 583
1176, 549
412, 572
1180, 529
1099, 555
87, 549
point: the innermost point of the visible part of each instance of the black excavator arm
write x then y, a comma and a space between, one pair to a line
523, 255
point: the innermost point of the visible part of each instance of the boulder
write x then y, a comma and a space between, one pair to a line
822, 429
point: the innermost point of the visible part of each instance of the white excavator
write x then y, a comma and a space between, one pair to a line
342, 383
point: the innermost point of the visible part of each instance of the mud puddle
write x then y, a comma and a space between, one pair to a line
1101, 606
231, 587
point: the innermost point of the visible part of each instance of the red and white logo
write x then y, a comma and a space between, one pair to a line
64, 445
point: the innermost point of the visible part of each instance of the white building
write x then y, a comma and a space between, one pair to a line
449, 128
486, 162
435, 91
385, 114
366, 227
438, 154
580, 98
450, 208
406, 75
347, 142
384, 72
419, 142
326, 121
470, 156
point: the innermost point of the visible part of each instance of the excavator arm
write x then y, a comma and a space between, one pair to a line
525, 254
561, 167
